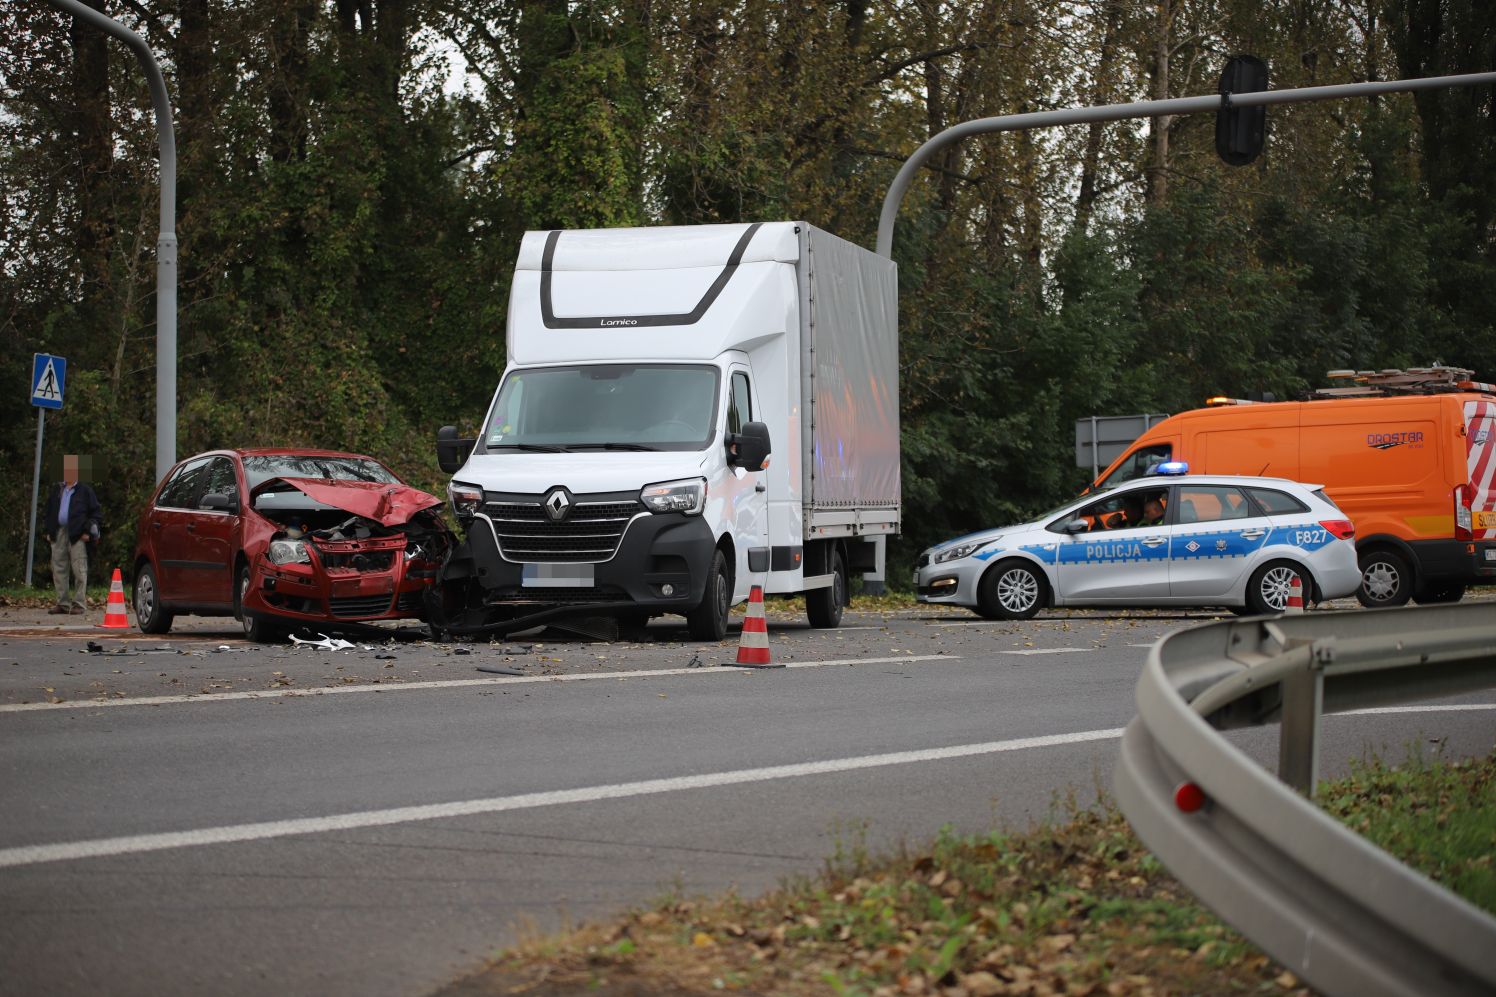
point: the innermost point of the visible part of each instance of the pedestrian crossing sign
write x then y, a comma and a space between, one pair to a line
48, 376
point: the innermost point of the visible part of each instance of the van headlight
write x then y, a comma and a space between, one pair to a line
466, 499
962, 550
288, 552
687, 495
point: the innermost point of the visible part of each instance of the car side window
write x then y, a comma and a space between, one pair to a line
221, 478
1212, 503
1276, 503
739, 403
186, 486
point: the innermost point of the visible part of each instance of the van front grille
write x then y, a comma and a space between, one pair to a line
590, 531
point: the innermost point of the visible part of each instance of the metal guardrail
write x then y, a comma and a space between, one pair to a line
1339, 912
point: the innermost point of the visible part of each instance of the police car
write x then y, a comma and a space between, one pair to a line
1168, 539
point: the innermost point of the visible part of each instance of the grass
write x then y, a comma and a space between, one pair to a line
1078, 907
42, 596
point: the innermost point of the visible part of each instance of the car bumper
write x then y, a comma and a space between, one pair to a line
951, 584
311, 593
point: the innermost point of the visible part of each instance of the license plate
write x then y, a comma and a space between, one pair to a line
571, 576
1485, 520
1491, 553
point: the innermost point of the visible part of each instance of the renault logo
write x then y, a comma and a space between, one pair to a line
557, 501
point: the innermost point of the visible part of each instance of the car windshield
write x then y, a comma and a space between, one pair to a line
263, 468
609, 406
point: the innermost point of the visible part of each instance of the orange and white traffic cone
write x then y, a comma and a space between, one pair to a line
753, 645
115, 616
1295, 606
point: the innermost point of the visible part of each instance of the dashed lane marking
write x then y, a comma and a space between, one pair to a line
104, 847
220, 697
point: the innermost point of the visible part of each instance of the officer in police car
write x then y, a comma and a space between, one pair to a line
1153, 511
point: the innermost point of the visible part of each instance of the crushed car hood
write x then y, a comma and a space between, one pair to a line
386, 504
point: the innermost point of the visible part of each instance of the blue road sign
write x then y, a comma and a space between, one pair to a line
48, 376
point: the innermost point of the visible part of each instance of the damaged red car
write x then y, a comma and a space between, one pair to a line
286, 538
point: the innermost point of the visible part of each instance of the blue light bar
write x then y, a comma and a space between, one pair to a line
1170, 467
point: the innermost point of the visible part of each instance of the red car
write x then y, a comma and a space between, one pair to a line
281, 538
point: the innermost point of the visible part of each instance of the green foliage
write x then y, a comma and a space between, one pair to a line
348, 217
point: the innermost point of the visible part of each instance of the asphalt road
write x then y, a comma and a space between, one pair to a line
200, 815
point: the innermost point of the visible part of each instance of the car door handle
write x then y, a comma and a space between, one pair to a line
1153, 541
191, 528
155, 524
760, 487
1252, 534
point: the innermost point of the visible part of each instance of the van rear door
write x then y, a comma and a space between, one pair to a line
1480, 466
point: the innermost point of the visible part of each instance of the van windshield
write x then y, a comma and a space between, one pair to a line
1137, 464
604, 406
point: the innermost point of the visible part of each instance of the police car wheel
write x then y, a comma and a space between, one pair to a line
1386, 579
1012, 591
1271, 584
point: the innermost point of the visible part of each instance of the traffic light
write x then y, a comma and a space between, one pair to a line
1240, 131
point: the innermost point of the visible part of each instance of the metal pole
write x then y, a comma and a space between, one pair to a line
36, 483
1142, 109
166, 242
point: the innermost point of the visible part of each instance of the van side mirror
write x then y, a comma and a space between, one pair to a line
451, 452
749, 448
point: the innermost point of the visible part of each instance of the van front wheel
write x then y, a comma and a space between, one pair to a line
1386, 579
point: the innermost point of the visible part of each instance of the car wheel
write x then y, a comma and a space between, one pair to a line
1386, 579
256, 628
1271, 584
824, 606
1012, 591
149, 616
708, 621
1436, 594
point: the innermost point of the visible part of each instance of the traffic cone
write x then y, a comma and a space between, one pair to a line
1295, 605
115, 616
753, 645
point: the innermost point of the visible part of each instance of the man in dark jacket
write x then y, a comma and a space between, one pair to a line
73, 516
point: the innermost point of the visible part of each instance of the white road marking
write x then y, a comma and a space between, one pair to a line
1381, 710
976, 623
102, 847
1052, 650
288, 693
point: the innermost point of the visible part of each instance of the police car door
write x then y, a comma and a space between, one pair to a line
1114, 561
1217, 530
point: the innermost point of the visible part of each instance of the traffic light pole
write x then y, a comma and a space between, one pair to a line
166, 241
1142, 109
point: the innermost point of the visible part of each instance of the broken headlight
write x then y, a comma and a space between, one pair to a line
466, 499
289, 552
687, 496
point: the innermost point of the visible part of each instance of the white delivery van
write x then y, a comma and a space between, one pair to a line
686, 412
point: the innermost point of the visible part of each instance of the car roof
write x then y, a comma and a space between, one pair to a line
1249, 480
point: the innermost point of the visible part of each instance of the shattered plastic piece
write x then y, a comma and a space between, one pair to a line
461, 650
94, 647
331, 643
499, 671
384, 657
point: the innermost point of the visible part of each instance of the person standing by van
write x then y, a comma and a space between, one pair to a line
73, 515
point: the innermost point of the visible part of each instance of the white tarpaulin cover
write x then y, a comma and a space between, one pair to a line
853, 350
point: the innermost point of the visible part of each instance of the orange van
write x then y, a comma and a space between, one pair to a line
1410, 457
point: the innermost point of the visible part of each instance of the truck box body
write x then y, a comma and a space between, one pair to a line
796, 324
1416, 474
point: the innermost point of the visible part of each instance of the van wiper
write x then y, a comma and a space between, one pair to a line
611, 446
529, 447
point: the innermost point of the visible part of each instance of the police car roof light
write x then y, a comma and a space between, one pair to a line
1170, 467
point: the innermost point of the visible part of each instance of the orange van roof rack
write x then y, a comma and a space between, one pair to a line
1434, 380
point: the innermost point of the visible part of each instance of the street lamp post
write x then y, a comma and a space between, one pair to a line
166, 242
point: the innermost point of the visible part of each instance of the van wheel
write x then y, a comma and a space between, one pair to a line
1271, 584
1386, 579
823, 606
708, 621
255, 627
1435, 594
1012, 591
